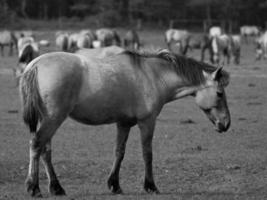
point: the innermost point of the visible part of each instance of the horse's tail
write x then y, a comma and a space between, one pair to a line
32, 105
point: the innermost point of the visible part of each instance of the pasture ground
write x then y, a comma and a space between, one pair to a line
191, 160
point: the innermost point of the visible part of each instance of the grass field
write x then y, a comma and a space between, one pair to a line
191, 160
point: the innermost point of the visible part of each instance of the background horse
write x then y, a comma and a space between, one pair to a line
128, 89
62, 40
7, 38
131, 40
180, 37
261, 46
202, 42
235, 48
221, 46
215, 31
108, 37
28, 49
249, 31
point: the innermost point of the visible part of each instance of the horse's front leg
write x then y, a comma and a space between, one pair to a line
147, 130
121, 140
54, 186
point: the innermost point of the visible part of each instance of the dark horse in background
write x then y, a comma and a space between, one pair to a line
127, 88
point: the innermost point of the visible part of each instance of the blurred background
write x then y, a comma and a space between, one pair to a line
193, 14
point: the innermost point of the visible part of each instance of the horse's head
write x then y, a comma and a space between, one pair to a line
211, 99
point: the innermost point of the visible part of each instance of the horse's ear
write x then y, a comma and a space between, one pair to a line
216, 75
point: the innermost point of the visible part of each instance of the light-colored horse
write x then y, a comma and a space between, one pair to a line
28, 49
62, 41
215, 31
128, 89
221, 46
180, 38
131, 40
108, 37
7, 38
249, 31
261, 46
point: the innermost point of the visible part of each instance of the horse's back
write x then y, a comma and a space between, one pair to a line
100, 52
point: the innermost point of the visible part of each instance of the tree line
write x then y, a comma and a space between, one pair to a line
124, 12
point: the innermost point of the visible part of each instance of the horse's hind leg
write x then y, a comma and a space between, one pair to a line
147, 130
38, 147
122, 136
54, 186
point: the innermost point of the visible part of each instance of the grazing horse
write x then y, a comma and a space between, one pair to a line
7, 38
128, 89
131, 40
180, 37
62, 41
235, 48
221, 45
108, 37
248, 31
202, 42
28, 49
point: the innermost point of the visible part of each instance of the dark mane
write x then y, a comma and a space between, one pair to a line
189, 69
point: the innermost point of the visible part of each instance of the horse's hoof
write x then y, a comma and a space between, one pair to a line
114, 186
151, 188
33, 189
56, 189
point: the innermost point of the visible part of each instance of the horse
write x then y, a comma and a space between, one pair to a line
235, 41
108, 37
261, 46
7, 38
131, 40
215, 31
28, 49
62, 41
249, 31
180, 37
202, 42
221, 45
129, 88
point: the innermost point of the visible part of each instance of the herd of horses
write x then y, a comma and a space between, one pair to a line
94, 81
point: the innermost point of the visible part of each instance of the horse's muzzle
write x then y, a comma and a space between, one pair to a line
222, 127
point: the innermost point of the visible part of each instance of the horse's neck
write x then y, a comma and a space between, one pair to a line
171, 86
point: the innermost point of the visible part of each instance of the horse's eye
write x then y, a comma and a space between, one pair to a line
220, 94
207, 110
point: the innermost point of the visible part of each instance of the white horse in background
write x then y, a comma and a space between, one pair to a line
180, 38
221, 46
215, 31
261, 46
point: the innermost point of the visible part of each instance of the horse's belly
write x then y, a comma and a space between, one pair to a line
95, 112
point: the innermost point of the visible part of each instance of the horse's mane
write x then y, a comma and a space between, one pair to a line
189, 69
